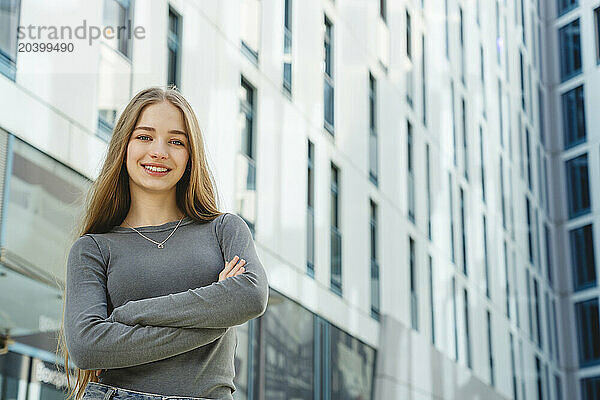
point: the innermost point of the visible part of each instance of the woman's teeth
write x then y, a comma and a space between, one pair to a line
155, 169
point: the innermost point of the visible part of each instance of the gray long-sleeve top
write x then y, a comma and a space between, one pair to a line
158, 320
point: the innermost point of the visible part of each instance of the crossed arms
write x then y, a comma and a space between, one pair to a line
156, 328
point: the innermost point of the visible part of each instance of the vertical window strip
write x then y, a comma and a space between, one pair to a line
467, 329
310, 201
490, 347
431, 299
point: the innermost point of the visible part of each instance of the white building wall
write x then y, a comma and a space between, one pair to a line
61, 101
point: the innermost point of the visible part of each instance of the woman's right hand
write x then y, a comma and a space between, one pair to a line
232, 268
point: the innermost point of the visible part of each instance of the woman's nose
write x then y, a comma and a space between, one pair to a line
158, 150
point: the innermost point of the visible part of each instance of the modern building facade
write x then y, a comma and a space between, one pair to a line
417, 175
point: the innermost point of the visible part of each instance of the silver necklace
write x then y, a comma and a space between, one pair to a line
161, 244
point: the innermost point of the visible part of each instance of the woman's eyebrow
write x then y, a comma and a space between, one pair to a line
151, 129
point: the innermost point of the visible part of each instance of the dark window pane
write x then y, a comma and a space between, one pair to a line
289, 344
9, 19
352, 366
573, 117
566, 5
582, 257
570, 50
578, 186
588, 331
590, 388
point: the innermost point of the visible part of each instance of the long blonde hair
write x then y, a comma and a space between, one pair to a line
108, 199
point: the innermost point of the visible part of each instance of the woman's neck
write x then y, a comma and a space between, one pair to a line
152, 210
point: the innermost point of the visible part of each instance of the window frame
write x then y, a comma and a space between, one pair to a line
8, 64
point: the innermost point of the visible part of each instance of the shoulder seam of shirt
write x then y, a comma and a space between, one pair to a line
99, 249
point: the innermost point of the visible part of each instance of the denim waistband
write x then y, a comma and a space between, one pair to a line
117, 393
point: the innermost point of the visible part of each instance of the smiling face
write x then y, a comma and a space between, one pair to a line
159, 138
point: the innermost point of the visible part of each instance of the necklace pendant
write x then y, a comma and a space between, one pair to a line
160, 246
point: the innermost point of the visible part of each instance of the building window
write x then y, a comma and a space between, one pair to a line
287, 46
536, 308
522, 75
577, 186
310, 211
423, 81
565, 5
106, 123
548, 253
582, 257
529, 211
410, 173
462, 44
374, 263
414, 299
431, 300
453, 113
588, 332
410, 70
117, 13
481, 158
465, 137
538, 378
250, 11
529, 313
549, 326
344, 347
558, 387
463, 230
428, 188
590, 388
597, 23
41, 197
482, 73
516, 288
455, 318
174, 45
507, 277
328, 77
408, 36
555, 326
9, 21
289, 368
499, 42
373, 161
467, 329
447, 35
383, 10
246, 161
502, 195
485, 258
570, 50
336, 234
490, 346
528, 158
451, 213
573, 112
512, 366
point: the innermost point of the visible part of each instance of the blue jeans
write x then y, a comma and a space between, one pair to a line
101, 391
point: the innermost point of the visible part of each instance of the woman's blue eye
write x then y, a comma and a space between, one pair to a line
146, 136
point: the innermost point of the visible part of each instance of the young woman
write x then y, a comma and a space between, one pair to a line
149, 309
